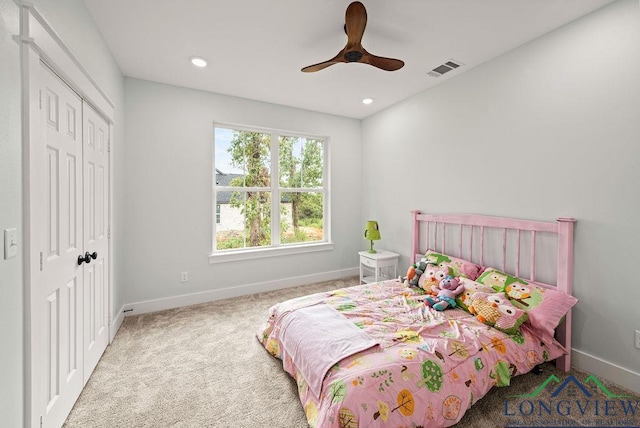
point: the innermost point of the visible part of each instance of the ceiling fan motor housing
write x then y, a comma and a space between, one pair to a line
353, 56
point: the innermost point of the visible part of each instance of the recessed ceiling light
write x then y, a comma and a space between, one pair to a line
367, 101
198, 61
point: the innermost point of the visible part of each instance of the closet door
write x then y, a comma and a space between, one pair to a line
96, 214
57, 298
70, 308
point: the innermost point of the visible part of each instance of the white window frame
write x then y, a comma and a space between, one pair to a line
276, 248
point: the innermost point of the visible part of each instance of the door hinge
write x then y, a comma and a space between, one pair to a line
41, 261
108, 232
40, 100
109, 146
40, 421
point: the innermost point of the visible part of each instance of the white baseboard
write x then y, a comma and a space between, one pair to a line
115, 324
605, 370
155, 305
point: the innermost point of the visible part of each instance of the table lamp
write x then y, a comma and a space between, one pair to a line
372, 233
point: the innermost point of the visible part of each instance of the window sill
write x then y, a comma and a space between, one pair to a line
232, 256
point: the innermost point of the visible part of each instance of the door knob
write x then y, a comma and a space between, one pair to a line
87, 257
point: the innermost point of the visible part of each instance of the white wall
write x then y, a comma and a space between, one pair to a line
11, 308
168, 197
549, 129
73, 24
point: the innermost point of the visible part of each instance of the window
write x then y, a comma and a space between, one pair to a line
270, 190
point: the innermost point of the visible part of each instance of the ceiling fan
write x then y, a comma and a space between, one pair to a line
355, 21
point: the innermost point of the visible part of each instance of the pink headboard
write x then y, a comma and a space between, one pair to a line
467, 236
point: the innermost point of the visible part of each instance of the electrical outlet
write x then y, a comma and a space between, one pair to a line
638, 339
184, 277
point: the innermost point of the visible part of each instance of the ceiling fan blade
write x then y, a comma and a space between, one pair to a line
387, 64
318, 67
355, 21
322, 65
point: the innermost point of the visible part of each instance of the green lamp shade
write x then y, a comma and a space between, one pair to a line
372, 233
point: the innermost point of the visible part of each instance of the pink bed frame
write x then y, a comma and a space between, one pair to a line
428, 226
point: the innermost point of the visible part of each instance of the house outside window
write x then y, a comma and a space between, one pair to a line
270, 190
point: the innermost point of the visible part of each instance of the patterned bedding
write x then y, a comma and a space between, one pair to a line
428, 368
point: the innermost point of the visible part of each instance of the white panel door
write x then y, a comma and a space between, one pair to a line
96, 213
58, 295
71, 302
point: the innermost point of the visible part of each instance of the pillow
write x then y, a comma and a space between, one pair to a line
495, 310
545, 307
470, 287
498, 279
459, 267
431, 278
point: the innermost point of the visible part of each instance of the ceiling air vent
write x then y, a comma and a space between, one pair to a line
445, 68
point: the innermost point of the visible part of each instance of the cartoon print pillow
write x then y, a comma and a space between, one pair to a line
459, 267
495, 310
545, 307
470, 288
498, 279
432, 276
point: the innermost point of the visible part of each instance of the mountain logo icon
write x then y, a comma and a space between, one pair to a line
571, 380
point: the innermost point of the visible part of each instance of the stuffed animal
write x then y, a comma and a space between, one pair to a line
431, 279
414, 272
449, 289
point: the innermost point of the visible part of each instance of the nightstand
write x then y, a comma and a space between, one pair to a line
379, 266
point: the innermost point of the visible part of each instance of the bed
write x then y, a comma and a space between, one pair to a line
376, 355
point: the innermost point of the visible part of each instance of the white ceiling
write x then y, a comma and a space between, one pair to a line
256, 48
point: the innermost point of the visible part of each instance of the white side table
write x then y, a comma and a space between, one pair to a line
379, 266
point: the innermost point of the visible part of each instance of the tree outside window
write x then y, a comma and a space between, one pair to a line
255, 168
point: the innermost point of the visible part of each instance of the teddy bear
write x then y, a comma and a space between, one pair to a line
449, 289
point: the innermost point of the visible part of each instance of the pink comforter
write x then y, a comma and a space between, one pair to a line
316, 337
429, 368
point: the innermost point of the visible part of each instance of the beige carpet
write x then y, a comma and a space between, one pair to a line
202, 366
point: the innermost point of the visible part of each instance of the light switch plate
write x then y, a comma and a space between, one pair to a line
10, 243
